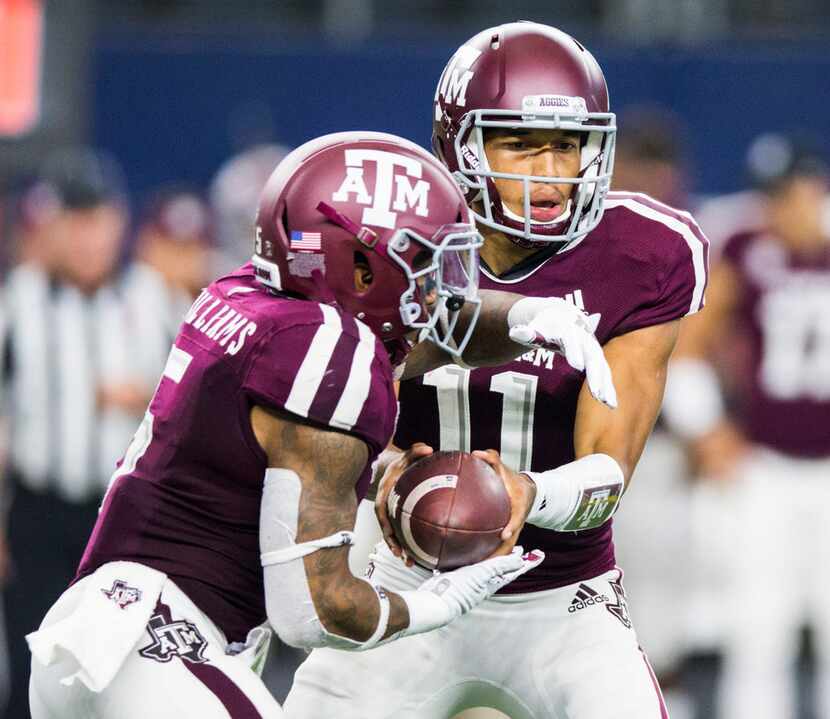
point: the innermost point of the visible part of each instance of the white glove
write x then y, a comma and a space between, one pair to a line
446, 596
556, 324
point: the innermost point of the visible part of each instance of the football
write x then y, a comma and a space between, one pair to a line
448, 510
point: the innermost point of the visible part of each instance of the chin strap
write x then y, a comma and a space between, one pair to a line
364, 235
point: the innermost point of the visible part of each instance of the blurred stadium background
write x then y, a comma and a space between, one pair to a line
196, 100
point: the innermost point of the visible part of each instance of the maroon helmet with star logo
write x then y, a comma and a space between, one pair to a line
355, 199
531, 76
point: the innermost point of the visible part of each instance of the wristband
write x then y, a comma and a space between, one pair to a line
580, 495
383, 618
427, 611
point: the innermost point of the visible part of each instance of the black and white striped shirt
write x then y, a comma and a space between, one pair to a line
60, 347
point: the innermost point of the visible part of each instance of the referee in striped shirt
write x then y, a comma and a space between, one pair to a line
83, 345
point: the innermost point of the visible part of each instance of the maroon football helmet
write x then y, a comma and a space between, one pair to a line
532, 76
378, 199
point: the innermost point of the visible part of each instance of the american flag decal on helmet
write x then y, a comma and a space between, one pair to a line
305, 241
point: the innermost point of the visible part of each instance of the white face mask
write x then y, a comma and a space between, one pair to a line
438, 291
585, 206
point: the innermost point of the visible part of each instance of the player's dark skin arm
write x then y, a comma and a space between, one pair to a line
329, 464
490, 345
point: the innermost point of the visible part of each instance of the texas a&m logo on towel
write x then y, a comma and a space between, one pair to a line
122, 594
178, 638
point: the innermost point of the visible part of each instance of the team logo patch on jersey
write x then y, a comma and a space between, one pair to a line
586, 597
122, 594
178, 638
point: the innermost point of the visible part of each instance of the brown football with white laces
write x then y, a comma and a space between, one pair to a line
448, 510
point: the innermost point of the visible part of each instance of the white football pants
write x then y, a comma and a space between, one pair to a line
177, 669
778, 539
567, 653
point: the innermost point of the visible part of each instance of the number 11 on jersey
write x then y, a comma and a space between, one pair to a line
452, 385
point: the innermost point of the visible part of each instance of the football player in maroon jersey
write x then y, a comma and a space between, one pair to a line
521, 119
766, 453
235, 501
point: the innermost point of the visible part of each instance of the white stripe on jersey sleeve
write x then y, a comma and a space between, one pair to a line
311, 371
359, 383
694, 243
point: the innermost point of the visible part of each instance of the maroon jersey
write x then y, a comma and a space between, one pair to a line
784, 314
186, 498
645, 264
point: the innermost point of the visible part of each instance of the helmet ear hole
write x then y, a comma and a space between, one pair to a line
363, 275
281, 222
421, 260
439, 149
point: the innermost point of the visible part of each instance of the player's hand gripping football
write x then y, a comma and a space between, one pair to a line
522, 492
394, 470
448, 595
556, 324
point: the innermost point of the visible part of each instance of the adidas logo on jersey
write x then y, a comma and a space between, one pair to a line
586, 597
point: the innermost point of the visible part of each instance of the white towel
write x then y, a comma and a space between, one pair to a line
94, 639
254, 650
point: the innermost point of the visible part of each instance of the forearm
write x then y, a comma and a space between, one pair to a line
638, 360
307, 514
585, 493
438, 601
350, 607
327, 606
622, 437
490, 344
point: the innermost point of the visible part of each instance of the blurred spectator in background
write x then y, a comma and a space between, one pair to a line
82, 354
650, 155
723, 216
174, 242
234, 193
36, 208
763, 453
5, 231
